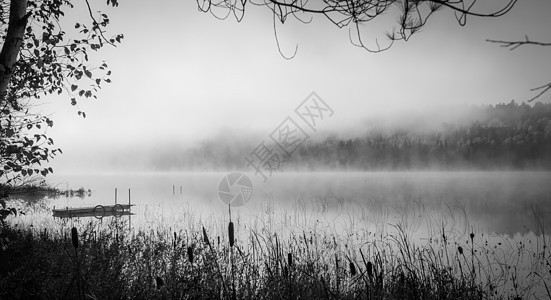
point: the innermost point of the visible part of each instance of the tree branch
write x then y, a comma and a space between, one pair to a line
96, 25
413, 16
544, 88
512, 45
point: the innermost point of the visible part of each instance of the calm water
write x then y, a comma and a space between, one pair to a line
504, 203
508, 212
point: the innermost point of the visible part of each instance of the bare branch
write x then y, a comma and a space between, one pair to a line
279, 47
512, 45
413, 16
544, 88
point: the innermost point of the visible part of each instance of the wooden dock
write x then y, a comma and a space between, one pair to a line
98, 211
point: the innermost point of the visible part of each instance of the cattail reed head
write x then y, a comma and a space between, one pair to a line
159, 281
231, 233
190, 254
369, 269
74, 237
205, 236
290, 259
352, 269
460, 249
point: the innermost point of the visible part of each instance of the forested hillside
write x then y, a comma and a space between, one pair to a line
504, 136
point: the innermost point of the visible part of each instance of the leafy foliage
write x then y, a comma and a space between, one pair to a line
50, 62
5, 211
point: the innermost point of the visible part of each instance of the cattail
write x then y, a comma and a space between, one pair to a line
218, 240
370, 269
352, 269
290, 259
472, 235
205, 237
230, 233
159, 282
74, 237
460, 249
190, 254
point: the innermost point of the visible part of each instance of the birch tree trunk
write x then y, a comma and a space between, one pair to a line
12, 44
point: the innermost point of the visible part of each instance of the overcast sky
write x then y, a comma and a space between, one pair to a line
184, 76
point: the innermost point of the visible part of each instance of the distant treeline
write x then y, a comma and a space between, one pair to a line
504, 136
507, 136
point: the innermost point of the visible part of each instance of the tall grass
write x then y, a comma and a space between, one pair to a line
277, 255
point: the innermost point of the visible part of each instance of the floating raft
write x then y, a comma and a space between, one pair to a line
98, 211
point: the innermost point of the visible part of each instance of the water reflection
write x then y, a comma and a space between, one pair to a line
495, 216
495, 202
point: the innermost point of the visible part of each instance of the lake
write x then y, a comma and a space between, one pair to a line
504, 203
499, 218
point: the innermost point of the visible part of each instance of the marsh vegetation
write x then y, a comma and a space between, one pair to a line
413, 236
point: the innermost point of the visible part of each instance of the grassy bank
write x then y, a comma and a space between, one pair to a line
109, 261
38, 189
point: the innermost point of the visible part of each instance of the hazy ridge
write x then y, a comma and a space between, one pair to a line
503, 136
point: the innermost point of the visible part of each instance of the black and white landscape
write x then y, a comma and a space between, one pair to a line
358, 149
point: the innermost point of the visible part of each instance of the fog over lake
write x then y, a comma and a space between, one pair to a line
195, 151
502, 203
